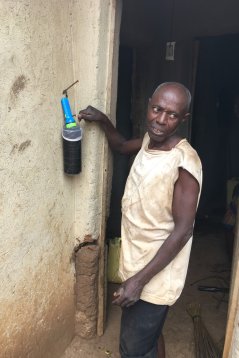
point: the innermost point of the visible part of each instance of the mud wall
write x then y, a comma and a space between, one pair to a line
45, 46
95, 50
37, 200
87, 262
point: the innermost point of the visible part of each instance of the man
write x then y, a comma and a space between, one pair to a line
158, 212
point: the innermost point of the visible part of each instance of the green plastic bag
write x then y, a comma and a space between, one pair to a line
113, 260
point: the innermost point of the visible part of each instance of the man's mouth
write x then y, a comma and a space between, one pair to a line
156, 131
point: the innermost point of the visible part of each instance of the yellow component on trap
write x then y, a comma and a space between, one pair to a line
113, 260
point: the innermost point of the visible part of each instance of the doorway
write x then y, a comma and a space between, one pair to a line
216, 85
210, 265
215, 132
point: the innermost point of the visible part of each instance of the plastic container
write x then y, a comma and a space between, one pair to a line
113, 260
72, 149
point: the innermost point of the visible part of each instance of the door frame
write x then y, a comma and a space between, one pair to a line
234, 297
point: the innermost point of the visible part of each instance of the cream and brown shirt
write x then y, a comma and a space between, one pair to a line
147, 218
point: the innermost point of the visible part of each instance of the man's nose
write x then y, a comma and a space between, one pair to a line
161, 118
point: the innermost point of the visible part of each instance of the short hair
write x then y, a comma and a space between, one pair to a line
180, 86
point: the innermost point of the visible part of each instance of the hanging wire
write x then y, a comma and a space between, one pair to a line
172, 21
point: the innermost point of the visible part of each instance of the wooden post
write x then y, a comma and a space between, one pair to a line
234, 295
110, 108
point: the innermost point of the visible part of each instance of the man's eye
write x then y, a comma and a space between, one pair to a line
156, 109
173, 115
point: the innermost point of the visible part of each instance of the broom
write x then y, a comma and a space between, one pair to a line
204, 345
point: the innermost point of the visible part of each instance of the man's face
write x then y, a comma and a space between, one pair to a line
166, 111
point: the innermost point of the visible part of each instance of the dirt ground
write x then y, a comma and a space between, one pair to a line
208, 266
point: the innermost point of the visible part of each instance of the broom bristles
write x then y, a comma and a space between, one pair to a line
204, 345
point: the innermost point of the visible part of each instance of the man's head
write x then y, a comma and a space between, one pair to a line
167, 109
183, 92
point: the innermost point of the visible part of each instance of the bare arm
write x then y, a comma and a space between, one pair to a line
184, 209
116, 141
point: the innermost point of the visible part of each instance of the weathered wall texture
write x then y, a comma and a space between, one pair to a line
95, 51
36, 199
95, 63
87, 262
45, 46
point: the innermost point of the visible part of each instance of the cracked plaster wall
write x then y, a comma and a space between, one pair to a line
45, 45
36, 199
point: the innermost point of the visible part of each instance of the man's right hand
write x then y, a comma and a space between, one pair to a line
116, 141
92, 114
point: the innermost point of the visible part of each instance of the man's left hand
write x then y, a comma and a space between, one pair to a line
128, 293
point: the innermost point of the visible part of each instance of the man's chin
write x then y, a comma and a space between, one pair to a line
156, 137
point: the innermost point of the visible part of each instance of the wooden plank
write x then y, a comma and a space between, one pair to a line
102, 285
115, 9
234, 294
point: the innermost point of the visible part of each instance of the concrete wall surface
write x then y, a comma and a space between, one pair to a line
46, 46
36, 199
95, 53
95, 65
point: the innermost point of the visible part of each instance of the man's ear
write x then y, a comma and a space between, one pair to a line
186, 117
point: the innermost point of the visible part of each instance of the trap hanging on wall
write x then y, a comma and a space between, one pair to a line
71, 136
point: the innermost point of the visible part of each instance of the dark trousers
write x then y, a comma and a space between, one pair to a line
141, 326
